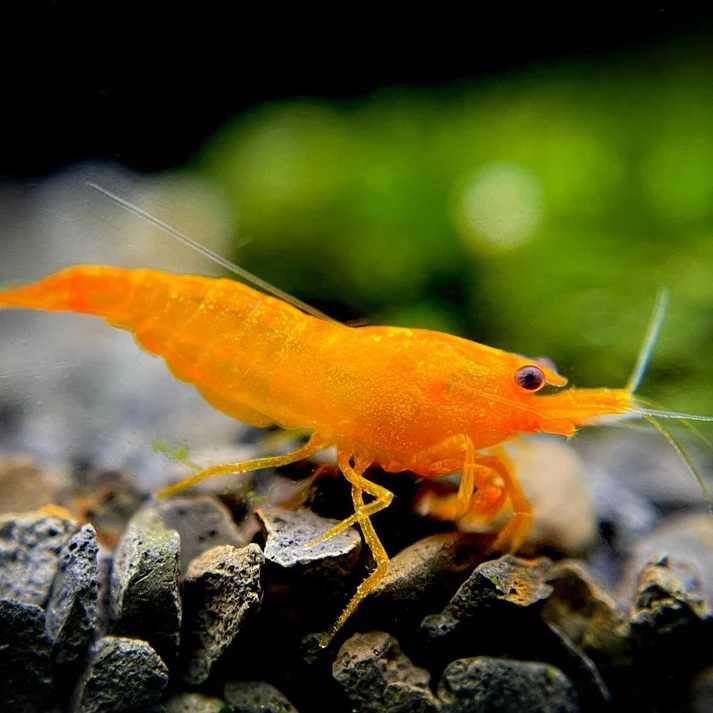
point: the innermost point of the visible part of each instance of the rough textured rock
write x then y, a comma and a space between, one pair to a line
202, 523
587, 615
490, 685
288, 534
422, 577
196, 703
221, 591
498, 612
123, 676
256, 697
145, 602
506, 585
29, 554
378, 678
72, 608
25, 683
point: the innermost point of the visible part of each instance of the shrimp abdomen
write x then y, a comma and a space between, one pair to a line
216, 334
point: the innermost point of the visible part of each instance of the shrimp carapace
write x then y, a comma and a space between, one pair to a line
404, 399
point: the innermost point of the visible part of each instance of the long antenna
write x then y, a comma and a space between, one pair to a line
652, 334
207, 252
684, 456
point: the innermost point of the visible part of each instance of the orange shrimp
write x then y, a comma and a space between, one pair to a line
405, 399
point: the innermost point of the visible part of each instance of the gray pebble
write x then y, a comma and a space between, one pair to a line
72, 608
29, 552
196, 703
288, 533
202, 522
507, 584
378, 678
256, 697
123, 676
25, 683
144, 598
645, 465
491, 685
222, 591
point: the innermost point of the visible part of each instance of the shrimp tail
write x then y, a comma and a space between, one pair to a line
101, 291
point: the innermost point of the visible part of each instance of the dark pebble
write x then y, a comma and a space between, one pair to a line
29, 554
507, 584
378, 678
144, 598
490, 685
123, 676
498, 612
25, 669
222, 592
587, 615
554, 647
422, 578
72, 608
202, 522
256, 697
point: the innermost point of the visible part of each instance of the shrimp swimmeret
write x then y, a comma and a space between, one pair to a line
402, 399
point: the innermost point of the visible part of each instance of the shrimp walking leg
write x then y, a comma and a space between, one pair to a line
359, 486
514, 534
362, 512
453, 506
310, 448
486, 482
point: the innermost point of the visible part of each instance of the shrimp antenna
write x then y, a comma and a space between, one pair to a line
649, 411
219, 259
683, 455
652, 335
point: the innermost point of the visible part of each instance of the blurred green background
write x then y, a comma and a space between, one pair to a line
537, 211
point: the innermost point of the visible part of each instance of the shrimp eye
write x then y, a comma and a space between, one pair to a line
530, 377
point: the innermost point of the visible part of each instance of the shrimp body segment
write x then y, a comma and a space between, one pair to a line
404, 399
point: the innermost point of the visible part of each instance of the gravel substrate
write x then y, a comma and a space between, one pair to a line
208, 605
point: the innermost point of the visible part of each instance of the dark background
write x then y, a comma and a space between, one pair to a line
145, 84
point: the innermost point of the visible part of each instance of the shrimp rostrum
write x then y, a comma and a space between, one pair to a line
403, 399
